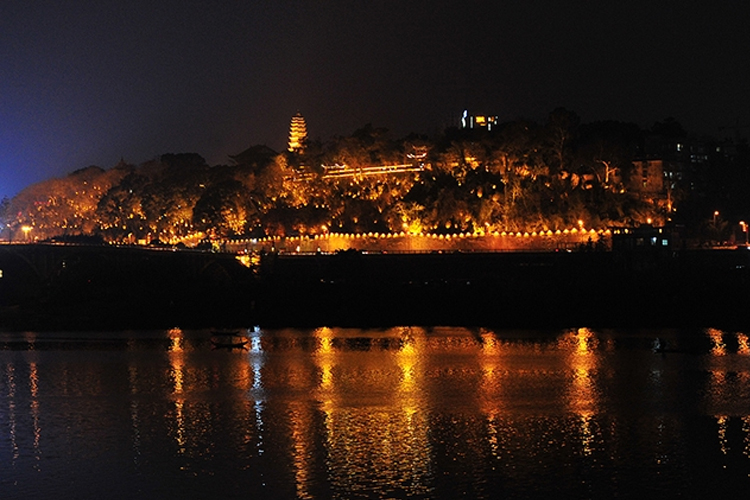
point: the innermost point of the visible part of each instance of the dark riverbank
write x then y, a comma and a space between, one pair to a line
51, 287
562, 289
67, 288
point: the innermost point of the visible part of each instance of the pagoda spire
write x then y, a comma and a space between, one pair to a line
297, 134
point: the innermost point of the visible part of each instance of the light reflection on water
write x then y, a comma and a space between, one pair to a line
396, 413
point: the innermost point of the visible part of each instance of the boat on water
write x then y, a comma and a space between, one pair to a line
228, 339
226, 333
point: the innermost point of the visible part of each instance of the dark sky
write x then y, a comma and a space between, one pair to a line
89, 81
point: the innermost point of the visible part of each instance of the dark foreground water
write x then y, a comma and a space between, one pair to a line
399, 413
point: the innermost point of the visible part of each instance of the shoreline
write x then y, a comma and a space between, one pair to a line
115, 289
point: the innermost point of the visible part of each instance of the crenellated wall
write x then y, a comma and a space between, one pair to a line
402, 242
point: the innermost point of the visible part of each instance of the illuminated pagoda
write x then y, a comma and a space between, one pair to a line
297, 134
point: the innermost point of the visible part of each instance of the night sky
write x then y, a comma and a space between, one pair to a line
88, 82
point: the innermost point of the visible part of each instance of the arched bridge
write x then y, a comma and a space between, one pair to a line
36, 270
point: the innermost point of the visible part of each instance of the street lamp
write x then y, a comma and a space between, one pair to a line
716, 214
26, 230
744, 230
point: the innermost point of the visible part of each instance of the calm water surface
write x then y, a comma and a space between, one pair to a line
399, 413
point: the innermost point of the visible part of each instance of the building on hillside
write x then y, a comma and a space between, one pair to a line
477, 121
647, 178
297, 134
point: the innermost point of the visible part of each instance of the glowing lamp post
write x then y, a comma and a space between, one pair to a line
26, 230
744, 230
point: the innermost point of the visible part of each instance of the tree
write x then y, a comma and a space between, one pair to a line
225, 209
120, 211
561, 130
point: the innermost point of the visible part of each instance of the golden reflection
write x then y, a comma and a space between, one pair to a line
490, 345
491, 386
180, 425
718, 381
177, 373
325, 356
587, 435
722, 422
718, 348
488, 356
35, 423
493, 434
390, 448
177, 362
746, 433
406, 359
177, 340
719, 391
33, 380
743, 348
34, 387
11, 384
491, 374
303, 447
583, 363
582, 394
389, 443
258, 406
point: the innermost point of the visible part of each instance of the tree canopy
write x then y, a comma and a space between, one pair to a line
520, 176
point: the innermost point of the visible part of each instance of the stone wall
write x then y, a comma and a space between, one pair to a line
408, 243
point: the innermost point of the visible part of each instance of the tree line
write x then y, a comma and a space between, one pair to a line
519, 176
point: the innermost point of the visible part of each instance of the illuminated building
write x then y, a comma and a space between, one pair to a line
648, 177
297, 134
477, 121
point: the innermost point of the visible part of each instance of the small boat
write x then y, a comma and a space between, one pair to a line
228, 339
225, 333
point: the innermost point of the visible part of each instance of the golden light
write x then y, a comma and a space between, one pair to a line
719, 348
743, 345
325, 355
176, 339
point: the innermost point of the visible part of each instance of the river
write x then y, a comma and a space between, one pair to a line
405, 412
